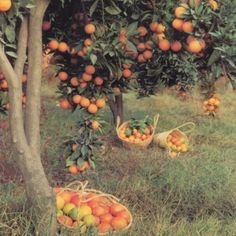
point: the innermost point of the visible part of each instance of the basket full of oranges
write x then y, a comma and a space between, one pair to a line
84, 210
137, 133
175, 140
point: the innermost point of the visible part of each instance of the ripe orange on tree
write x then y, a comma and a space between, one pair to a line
153, 26
190, 38
86, 77
3, 84
76, 99
187, 27
92, 108
74, 81
141, 58
5, 5
142, 31
176, 46
90, 28
100, 103
164, 45
98, 81
95, 125
74, 146
180, 11
127, 73
63, 47
53, 44
160, 28
90, 69
84, 167
64, 104
84, 102
195, 46
147, 54
141, 47
177, 24
63, 76
88, 42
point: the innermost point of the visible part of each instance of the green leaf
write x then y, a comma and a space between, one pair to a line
132, 28
69, 162
10, 33
132, 46
93, 58
11, 54
113, 10
93, 7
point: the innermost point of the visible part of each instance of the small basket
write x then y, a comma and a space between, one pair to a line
161, 138
80, 188
142, 144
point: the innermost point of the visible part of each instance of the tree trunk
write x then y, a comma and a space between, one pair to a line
116, 106
26, 133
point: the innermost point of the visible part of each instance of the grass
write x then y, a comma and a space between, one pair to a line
192, 195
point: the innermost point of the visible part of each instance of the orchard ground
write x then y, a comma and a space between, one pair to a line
192, 195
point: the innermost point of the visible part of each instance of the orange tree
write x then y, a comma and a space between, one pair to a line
104, 48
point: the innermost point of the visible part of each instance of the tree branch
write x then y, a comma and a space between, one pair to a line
32, 118
21, 48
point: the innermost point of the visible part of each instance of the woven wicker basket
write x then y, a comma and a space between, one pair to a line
80, 188
142, 144
161, 138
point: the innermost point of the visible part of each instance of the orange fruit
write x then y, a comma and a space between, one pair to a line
124, 214
153, 26
81, 53
66, 195
141, 47
190, 38
147, 54
99, 211
84, 102
85, 51
3, 84
141, 58
53, 44
98, 81
106, 218
164, 45
86, 77
63, 47
90, 28
5, 5
127, 73
100, 103
195, 46
104, 228
160, 28
24, 78
88, 42
84, 167
63, 75
64, 104
119, 223
177, 24
176, 46
92, 108
142, 31
90, 69
180, 11
187, 27
116, 208
95, 125
159, 36
76, 99
74, 81
214, 5
73, 169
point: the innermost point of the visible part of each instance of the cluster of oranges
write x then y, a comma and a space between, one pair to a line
194, 45
135, 135
90, 210
176, 144
5, 5
74, 169
211, 105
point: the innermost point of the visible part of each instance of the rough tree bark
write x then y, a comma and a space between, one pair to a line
25, 131
116, 106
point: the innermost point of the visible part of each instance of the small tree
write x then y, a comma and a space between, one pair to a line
25, 124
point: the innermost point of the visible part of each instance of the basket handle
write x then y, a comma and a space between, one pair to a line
117, 124
79, 185
191, 127
155, 121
